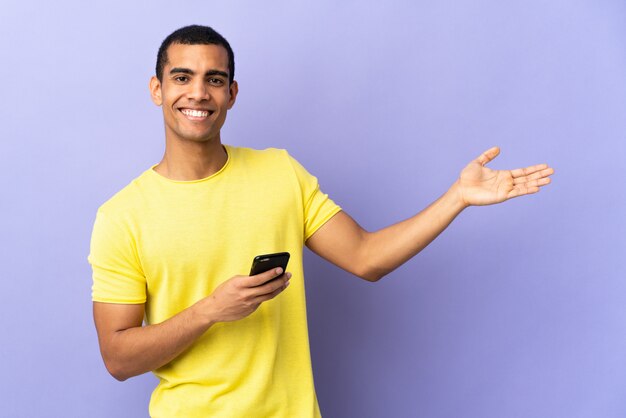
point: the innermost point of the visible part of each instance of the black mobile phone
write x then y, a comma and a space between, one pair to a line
265, 262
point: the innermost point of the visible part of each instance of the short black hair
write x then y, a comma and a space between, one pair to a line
194, 35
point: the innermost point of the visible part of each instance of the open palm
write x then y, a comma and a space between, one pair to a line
481, 185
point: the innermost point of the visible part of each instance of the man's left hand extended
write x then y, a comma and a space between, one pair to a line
479, 185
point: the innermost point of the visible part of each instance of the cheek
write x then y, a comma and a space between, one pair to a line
171, 94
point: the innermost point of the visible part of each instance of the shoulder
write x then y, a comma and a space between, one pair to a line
275, 159
266, 154
125, 200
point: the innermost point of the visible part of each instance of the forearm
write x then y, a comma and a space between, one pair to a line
387, 249
133, 351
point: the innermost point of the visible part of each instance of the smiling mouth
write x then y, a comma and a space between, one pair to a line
194, 114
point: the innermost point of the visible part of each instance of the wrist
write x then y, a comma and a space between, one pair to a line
455, 194
203, 314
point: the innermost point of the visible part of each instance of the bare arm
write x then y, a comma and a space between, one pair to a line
372, 255
129, 349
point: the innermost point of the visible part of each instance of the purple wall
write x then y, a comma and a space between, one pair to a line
518, 310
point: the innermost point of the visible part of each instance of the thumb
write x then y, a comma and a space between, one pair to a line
488, 155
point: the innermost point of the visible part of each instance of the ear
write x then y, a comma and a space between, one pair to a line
233, 89
155, 91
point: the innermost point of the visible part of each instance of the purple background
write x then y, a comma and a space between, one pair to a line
518, 310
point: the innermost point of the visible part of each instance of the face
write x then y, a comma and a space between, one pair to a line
194, 94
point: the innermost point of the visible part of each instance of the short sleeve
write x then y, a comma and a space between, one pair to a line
318, 207
117, 274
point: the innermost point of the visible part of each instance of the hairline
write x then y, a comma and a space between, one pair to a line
178, 42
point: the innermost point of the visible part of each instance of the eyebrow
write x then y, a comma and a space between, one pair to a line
177, 70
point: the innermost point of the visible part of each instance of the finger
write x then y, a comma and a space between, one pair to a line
519, 172
521, 191
535, 176
261, 278
272, 285
535, 183
271, 295
488, 155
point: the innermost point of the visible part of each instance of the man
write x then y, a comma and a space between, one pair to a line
174, 246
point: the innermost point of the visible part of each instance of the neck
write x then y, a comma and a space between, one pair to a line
188, 160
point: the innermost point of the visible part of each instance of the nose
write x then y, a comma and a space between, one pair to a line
198, 90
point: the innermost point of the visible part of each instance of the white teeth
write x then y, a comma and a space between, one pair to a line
195, 113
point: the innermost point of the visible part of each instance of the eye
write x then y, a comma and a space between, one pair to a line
216, 81
181, 78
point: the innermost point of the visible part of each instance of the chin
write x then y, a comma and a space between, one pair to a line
194, 136
200, 138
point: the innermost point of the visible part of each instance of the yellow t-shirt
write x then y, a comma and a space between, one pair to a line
170, 243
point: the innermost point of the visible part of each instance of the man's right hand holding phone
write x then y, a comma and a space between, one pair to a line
240, 296
130, 349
